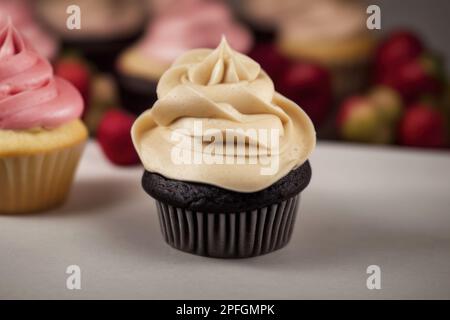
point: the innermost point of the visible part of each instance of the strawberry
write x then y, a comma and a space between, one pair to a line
309, 85
76, 71
270, 59
400, 47
113, 135
423, 126
415, 79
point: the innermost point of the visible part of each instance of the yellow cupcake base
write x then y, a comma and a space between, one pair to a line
40, 179
330, 53
133, 63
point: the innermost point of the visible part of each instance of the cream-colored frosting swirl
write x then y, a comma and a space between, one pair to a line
224, 91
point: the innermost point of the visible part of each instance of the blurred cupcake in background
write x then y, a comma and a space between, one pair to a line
334, 34
179, 28
103, 97
107, 26
21, 14
158, 7
263, 16
259, 16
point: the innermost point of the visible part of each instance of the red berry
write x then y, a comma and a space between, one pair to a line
398, 48
113, 135
412, 80
309, 85
77, 72
270, 59
422, 126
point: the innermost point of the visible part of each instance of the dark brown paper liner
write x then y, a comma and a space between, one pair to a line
229, 235
136, 95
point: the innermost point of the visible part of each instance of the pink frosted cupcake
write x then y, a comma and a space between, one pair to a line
41, 136
22, 17
190, 24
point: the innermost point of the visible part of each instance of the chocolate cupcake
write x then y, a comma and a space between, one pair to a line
263, 17
225, 156
188, 24
107, 26
212, 221
260, 17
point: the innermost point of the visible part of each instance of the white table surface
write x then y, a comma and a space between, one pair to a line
364, 206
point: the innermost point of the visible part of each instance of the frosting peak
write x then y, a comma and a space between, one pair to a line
20, 12
225, 107
29, 94
186, 25
10, 41
224, 65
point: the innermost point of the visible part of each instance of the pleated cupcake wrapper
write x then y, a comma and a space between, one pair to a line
37, 182
229, 235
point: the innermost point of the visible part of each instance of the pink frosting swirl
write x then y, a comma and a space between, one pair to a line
20, 12
193, 24
30, 96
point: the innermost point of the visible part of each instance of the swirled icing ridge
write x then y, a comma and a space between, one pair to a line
30, 96
222, 90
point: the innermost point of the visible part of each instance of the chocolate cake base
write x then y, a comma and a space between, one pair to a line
214, 222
